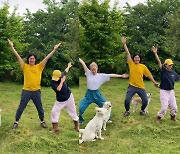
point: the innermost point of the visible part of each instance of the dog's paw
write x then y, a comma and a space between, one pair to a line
101, 138
93, 140
80, 141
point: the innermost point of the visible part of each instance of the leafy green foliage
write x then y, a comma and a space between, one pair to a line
92, 31
11, 27
173, 37
146, 26
100, 30
46, 28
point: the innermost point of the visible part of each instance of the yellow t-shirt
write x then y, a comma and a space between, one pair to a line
32, 76
137, 71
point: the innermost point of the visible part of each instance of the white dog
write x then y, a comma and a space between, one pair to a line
137, 100
93, 128
106, 116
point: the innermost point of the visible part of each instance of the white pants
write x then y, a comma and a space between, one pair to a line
69, 105
167, 98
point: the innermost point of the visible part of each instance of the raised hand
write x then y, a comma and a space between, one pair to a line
69, 65
123, 40
57, 46
10, 43
81, 61
154, 49
83, 64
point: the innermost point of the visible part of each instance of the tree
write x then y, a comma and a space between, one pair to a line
11, 27
146, 26
101, 28
47, 27
173, 34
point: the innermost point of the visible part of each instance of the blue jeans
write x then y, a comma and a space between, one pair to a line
25, 98
131, 91
90, 97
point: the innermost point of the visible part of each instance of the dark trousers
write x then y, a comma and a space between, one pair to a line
35, 96
131, 91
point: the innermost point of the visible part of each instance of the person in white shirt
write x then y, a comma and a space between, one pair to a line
94, 82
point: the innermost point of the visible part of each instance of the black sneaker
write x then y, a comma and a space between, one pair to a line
142, 112
127, 113
15, 125
43, 124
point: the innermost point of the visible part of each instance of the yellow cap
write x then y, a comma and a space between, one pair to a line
56, 75
168, 62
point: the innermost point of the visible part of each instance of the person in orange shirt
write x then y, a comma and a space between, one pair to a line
136, 83
32, 79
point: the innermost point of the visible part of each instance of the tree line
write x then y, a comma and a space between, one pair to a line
91, 30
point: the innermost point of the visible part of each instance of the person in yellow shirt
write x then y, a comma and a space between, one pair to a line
136, 83
32, 78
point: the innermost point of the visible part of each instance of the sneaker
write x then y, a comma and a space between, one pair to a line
142, 112
158, 120
43, 124
127, 113
173, 118
15, 125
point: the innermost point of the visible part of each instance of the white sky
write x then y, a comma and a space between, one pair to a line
34, 5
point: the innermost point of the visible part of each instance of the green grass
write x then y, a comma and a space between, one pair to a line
133, 134
30, 137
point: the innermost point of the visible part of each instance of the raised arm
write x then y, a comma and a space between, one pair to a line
68, 67
83, 64
154, 49
153, 81
128, 55
51, 53
15, 52
119, 76
61, 83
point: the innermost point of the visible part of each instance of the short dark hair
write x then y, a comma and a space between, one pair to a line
137, 54
32, 54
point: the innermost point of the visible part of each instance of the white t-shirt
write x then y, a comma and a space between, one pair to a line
94, 82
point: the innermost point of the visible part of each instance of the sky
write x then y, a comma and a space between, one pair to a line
34, 5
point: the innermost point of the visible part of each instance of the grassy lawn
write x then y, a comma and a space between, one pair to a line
133, 134
30, 137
